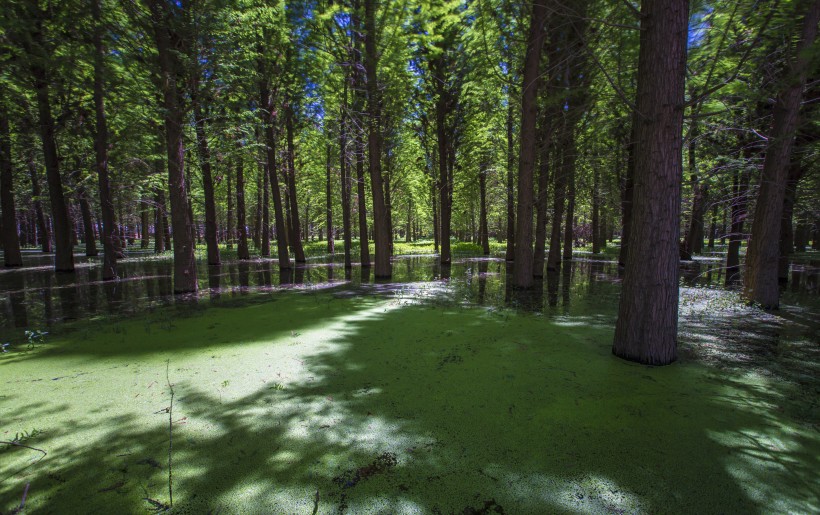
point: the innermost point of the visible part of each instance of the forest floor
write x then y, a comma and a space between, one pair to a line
425, 396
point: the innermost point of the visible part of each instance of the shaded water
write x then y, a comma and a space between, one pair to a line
34, 297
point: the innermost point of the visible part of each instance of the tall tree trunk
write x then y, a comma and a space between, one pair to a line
483, 230
364, 244
713, 226
229, 234
693, 242
167, 43
382, 266
110, 247
11, 241
159, 222
207, 178
510, 253
145, 222
596, 212
434, 199
88, 224
265, 211
63, 249
559, 193
760, 280
345, 177
628, 193
539, 254
296, 243
647, 326
786, 227
523, 269
331, 234
268, 115
443, 145
241, 225
569, 223
42, 225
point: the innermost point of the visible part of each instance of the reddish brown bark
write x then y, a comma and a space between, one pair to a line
647, 325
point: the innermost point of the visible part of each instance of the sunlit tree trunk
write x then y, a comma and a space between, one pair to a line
290, 176
647, 325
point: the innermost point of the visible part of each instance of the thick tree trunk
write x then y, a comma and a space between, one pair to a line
647, 325
382, 266
523, 268
11, 241
110, 248
167, 43
290, 178
63, 249
760, 280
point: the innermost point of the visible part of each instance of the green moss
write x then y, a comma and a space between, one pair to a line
391, 405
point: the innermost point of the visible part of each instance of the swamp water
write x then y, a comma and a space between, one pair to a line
442, 391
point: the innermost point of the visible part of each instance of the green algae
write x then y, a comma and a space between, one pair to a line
407, 403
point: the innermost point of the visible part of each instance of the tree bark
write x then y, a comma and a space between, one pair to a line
63, 249
268, 115
110, 248
241, 226
42, 225
559, 193
510, 252
170, 69
760, 280
483, 230
207, 177
265, 236
381, 237
647, 325
331, 243
12, 257
296, 243
523, 268
345, 178
569, 223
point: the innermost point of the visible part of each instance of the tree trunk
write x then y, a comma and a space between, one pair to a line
693, 242
170, 69
760, 280
241, 226
483, 230
560, 187
290, 179
230, 214
144, 223
12, 256
345, 178
42, 226
382, 266
268, 115
63, 249
207, 178
569, 223
159, 222
523, 268
596, 212
331, 244
628, 193
265, 236
510, 253
539, 254
88, 224
647, 325
786, 227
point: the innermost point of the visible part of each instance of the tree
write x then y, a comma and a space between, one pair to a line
646, 329
11, 240
760, 281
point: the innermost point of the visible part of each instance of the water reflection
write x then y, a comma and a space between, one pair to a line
35, 297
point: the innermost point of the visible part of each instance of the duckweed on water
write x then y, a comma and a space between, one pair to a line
408, 401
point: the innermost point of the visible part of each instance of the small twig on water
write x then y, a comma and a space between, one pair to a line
316, 503
170, 434
25, 494
18, 444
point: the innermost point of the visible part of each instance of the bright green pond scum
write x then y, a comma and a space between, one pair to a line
412, 400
